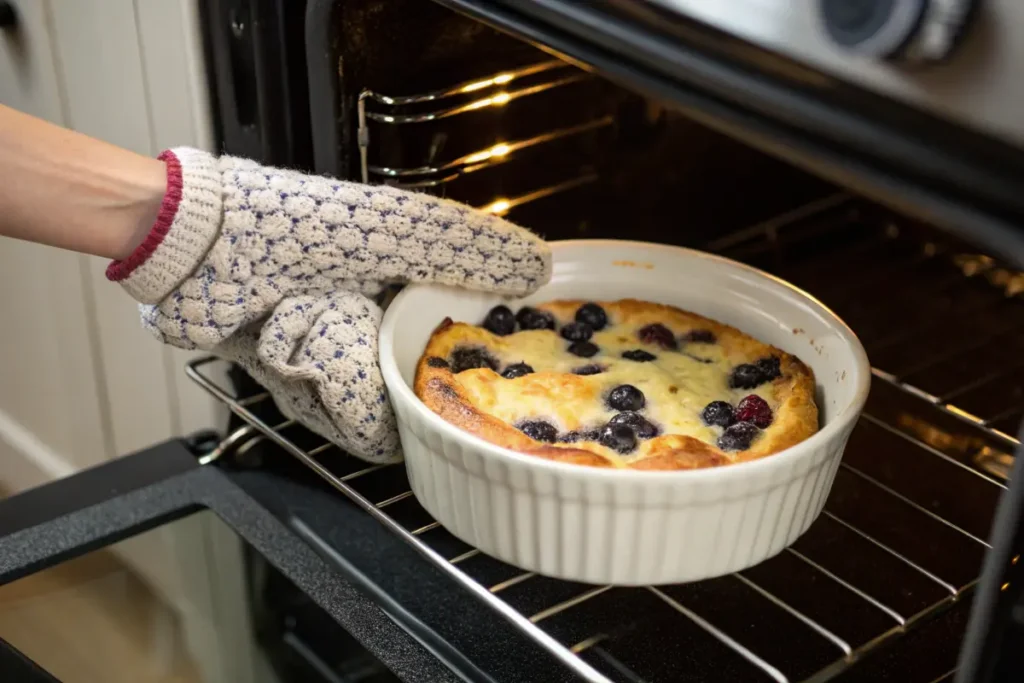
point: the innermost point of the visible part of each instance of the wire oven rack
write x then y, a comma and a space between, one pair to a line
490, 92
899, 542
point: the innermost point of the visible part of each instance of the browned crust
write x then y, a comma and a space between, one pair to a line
795, 419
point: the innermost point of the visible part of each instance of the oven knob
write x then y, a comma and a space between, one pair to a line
902, 30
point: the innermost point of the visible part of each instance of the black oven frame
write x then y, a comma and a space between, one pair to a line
968, 184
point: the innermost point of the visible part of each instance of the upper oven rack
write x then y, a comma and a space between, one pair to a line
586, 653
485, 93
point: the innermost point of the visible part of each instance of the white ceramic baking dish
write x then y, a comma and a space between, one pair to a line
618, 526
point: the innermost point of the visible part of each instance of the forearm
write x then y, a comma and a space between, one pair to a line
68, 190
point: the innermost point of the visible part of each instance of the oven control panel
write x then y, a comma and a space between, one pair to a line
911, 30
960, 59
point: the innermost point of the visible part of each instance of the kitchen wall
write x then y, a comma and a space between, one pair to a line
80, 381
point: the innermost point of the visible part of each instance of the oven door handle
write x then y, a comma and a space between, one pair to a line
98, 506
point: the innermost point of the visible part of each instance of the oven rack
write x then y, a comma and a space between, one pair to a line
1005, 284
489, 92
938, 581
344, 474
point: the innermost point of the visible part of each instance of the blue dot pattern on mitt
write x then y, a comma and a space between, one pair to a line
280, 265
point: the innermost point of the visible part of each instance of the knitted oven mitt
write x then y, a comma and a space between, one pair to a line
273, 269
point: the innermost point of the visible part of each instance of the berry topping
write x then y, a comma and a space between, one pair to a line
638, 355
593, 315
436, 362
746, 376
637, 422
469, 357
658, 334
517, 370
750, 375
539, 430
500, 321
588, 370
754, 409
700, 337
718, 414
583, 349
626, 397
769, 367
533, 319
738, 437
577, 332
619, 438
580, 435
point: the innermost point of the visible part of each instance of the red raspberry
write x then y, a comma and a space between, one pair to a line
754, 409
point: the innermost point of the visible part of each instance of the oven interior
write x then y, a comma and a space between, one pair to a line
879, 587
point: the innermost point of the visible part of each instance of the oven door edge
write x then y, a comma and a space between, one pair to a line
991, 647
45, 526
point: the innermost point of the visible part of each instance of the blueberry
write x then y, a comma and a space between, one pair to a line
500, 321
517, 370
637, 422
580, 435
746, 376
583, 349
436, 362
588, 370
718, 414
750, 375
754, 409
593, 315
533, 319
626, 397
469, 357
657, 333
638, 355
738, 437
619, 438
700, 336
577, 332
769, 367
539, 430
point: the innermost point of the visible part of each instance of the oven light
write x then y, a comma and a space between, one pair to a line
494, 101
498, 207
500, 79
498, 150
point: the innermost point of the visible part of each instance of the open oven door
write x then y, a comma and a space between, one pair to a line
46, 530
322, 592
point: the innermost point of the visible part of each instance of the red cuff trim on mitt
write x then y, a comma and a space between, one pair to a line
119, 270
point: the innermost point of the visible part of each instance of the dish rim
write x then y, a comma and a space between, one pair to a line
399, 390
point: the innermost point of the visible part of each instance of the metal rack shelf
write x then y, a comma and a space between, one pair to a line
489, 92
899, 542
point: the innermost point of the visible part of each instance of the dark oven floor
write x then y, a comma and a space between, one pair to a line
878, 589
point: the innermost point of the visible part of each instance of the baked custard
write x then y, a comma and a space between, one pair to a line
624, 384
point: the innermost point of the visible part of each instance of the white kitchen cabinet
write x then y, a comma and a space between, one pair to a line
80, 381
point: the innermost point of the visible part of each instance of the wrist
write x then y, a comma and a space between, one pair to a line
185, 227
146, 198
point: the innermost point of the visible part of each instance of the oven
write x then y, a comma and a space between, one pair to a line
867, 152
